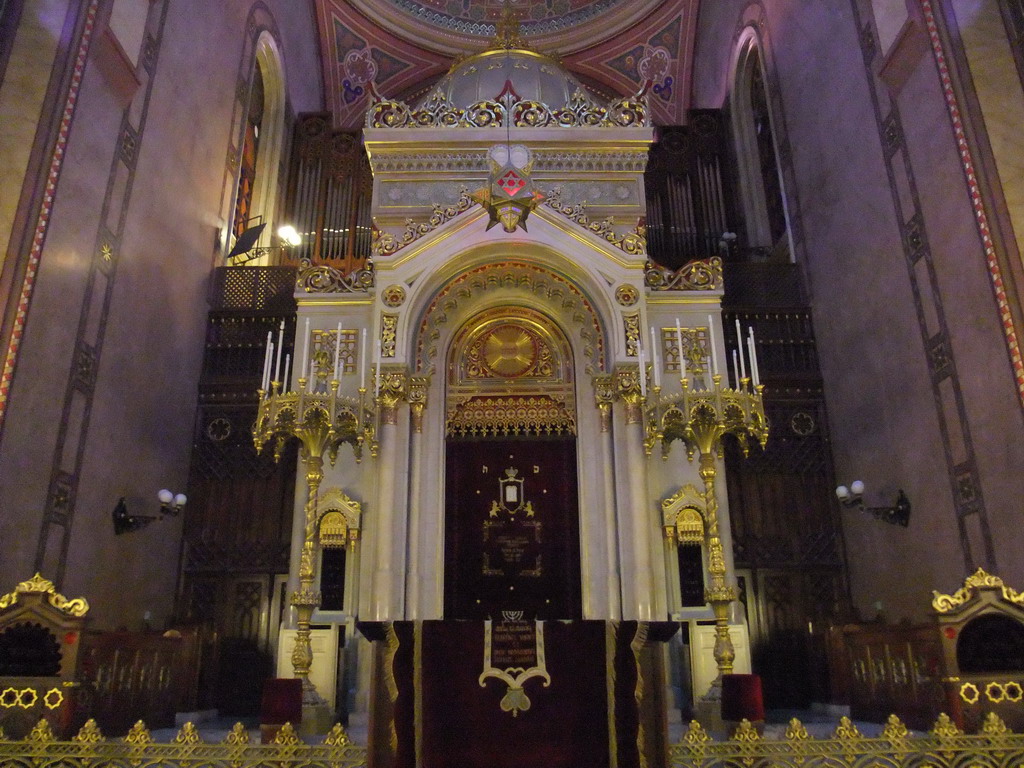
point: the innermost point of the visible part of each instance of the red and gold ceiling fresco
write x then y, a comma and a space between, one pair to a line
400, 44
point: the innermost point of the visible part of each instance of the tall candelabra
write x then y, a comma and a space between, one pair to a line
701, 418
322, 422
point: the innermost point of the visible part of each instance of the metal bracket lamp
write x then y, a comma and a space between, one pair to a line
897, 514
245, 250
125, 522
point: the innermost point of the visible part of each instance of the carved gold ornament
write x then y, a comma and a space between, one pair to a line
627, 295
393, 296
700, 275
77, 607
509, 351
980, 579
507, 416
385, 244
634, 243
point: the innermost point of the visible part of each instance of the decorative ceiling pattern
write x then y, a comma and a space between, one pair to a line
615, 44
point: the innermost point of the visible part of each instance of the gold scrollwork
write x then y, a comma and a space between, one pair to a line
388, 334
699, 275
325, 279
980, 579
385, 244
77, 607
632, 243
526, 415
631, 325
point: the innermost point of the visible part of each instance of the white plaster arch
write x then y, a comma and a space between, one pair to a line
748, 52
267, 57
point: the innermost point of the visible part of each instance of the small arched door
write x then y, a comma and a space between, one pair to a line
512, 544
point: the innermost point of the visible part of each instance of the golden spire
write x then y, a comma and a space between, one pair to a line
508, 30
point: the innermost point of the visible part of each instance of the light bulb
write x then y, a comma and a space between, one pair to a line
843, 493
857, 486
165, 496
289, 234
180, 499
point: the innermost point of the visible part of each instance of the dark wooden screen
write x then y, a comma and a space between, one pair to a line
239, 514
785, 520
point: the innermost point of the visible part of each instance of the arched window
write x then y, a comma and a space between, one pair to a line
760, 181
259, 157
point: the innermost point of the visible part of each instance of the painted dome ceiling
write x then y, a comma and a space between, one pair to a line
401, 48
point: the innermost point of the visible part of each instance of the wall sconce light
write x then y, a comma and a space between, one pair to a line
897, 514
125, 522
171, 503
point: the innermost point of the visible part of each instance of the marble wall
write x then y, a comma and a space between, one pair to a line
103, 400
919, 385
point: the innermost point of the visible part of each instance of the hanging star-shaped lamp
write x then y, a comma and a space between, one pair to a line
509, 196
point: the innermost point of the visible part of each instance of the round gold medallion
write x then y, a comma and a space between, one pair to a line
509, 351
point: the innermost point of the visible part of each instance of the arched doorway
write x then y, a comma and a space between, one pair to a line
512, 541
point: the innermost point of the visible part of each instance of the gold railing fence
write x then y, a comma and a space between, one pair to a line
945, 746
39, 749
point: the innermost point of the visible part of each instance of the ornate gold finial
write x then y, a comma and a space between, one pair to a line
238, 736
696, 736
508, 30
188, 735
894, 729
796, 731
994, 726
287, 736
945, 728
980, 579
746, 731
138, 735
847, 731
90, 733
337, 737
42, 733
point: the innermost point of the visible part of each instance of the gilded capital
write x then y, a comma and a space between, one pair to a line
418, 386
394, 387
604, 396
627, 389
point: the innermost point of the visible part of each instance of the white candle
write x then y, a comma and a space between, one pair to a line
280, 346
711, 342
655, 364
267, 356
755, 366
337, 355
304, 369
285, 386
735, 370
679, 349
362, 361
643, 368
376, 371
739, 348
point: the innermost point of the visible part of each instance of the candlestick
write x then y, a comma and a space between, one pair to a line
739, 347
280, 347
337, 355
714, 351
656, 365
